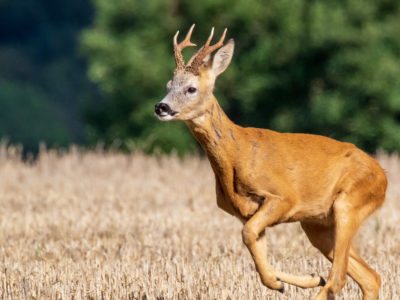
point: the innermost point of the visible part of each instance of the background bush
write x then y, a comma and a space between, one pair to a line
325, 67
44, 87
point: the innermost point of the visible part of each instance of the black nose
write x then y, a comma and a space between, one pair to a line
161, 107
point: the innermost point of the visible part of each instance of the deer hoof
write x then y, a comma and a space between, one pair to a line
282, 288
322, 281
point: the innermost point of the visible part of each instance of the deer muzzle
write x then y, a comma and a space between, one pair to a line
163, 111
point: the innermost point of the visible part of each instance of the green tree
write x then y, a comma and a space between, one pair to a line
326, 67
43, 81
27, 114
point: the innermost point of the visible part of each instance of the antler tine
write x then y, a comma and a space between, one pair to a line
220, 42
197, 59
180, 64
202, 48
209, 38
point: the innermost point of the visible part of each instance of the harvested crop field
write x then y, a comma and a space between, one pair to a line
99, 225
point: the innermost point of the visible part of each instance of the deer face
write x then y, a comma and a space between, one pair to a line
186, 98
190, 89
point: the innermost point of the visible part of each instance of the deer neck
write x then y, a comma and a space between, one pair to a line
216, 134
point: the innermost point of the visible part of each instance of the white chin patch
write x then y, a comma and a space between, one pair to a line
166, 117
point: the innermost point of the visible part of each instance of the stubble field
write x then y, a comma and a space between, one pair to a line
95, 225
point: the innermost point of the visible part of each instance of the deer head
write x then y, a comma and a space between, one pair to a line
192, 84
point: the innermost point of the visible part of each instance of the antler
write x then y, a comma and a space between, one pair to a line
197, 59
180, 63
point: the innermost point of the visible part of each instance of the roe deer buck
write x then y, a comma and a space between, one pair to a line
266, 178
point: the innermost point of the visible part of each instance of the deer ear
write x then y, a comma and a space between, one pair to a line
222, 58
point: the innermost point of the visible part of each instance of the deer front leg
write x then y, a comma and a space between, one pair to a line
254, 238
273, 210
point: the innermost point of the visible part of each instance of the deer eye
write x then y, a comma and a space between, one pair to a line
191, 90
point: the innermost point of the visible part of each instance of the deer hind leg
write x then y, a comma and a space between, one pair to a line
368, 280
255, 240
323, 238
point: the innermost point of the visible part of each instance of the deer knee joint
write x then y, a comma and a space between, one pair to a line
338, 284
248, 235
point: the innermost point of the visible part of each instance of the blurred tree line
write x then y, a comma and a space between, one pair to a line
44, 89
324, 67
